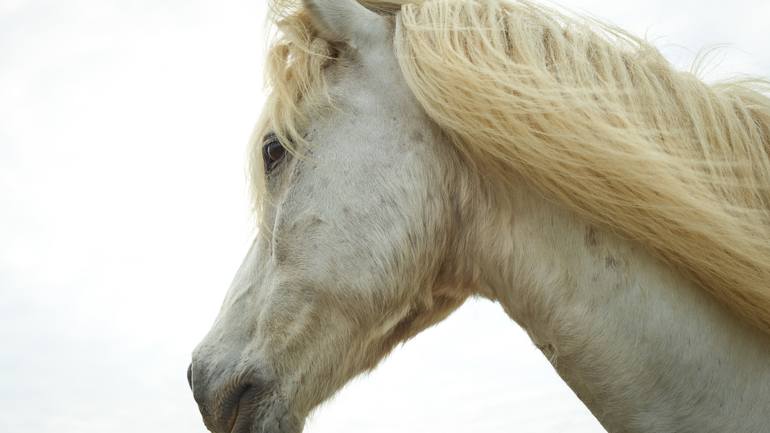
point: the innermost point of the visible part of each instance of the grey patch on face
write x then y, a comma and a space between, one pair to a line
388, 202
417, 137
315, 222
592, 239
611, 262
279, 255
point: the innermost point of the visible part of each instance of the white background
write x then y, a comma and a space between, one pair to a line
124, 214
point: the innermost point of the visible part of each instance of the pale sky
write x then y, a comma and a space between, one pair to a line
124, 214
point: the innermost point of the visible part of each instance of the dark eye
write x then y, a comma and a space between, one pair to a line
272, 151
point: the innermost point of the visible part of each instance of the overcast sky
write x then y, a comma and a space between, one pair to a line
124, 214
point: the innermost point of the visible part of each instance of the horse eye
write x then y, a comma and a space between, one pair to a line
272, 152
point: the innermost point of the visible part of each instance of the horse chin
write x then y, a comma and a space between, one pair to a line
270, 415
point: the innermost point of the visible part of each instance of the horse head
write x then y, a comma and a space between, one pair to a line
356, 249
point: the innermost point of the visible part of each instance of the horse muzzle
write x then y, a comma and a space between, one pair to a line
232, 402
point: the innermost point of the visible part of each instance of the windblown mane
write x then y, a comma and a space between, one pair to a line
594, 117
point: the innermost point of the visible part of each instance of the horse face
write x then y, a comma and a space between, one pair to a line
352, 257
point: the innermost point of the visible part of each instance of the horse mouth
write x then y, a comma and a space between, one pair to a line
240, 420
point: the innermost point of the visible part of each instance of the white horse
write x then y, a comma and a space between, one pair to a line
415, 155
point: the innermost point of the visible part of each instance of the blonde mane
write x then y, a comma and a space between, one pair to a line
593, 117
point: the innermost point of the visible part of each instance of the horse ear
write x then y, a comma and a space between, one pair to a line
347, 21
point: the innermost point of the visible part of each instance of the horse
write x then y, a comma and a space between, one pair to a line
413, 154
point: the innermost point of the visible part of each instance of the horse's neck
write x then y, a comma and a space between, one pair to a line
645, 349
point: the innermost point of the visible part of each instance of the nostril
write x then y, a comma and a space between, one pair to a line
189, 375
